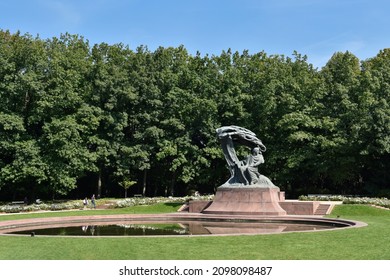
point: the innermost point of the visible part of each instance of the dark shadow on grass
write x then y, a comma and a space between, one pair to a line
173, 204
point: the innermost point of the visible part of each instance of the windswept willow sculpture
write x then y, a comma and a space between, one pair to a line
243, 172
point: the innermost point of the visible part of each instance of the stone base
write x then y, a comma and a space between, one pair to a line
197, 206
246, 200
300, 207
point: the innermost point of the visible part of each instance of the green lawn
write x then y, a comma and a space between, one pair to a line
371, 242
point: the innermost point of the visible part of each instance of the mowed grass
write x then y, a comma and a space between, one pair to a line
371, 242
139, 209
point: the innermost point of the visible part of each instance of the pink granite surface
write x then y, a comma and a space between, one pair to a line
246, 201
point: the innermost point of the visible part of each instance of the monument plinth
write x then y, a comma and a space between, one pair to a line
246, 200
247, 192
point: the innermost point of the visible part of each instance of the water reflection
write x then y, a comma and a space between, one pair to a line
178, 228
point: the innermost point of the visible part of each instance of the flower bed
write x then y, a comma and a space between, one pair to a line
127, 202
382, 202
114, 203
41, 207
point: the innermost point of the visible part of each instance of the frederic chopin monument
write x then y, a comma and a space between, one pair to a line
246, 191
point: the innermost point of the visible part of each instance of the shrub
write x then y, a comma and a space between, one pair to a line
382, 202
41, 207
127, 202
118, 203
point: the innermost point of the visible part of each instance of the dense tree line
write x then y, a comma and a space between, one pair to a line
76, 119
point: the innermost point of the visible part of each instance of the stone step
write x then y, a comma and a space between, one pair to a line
322, 209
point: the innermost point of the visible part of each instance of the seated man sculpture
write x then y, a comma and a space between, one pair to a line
249, 167
243, 172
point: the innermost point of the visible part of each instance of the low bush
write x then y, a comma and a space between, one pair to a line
382, 202
114, 203
128, 202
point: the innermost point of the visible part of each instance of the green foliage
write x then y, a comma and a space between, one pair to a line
126, 183
71, 113
381, 202
158, 204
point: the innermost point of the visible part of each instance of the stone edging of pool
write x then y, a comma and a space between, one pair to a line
6, 227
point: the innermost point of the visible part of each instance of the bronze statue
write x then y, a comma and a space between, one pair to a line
243, 172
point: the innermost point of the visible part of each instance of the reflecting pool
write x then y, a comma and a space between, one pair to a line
156, 228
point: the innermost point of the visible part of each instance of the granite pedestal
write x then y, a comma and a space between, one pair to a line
246, 200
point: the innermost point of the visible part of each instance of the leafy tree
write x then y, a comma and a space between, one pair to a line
127, 184
374, 125
71, 114
21, 82
340, 109
62, 135
110, 98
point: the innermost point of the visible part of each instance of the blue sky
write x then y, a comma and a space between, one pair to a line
316, 28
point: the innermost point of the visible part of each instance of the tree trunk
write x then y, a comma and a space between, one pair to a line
99, 184
173, 182
144, 183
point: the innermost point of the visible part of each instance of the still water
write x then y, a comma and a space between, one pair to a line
180, 228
